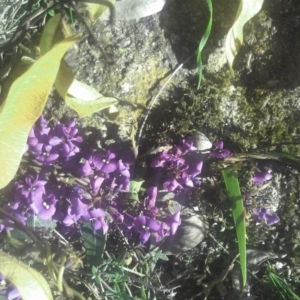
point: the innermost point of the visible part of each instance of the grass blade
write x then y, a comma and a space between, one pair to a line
237, 207
203, 42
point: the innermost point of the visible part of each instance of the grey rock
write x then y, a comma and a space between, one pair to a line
190, 233
136, 9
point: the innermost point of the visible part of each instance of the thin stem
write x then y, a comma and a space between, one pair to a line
136, 151
61, 273
22, 226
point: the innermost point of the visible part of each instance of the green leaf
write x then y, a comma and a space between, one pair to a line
203, 42
247, 10
24, 105
56, 30
30, 283
143, 293
49, 32
94, 243
135, 185
85, 100
237, 208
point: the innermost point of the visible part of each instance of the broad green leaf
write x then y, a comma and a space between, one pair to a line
94, 243
55, 31
237, 208
24, 105
203, 41
49, 33
85, 100
246, 11
30, 283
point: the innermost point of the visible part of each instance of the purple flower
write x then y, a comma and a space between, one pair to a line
44, 207
261, 177
220, 152
97, 217
77, 209
171, 184
161, 159
64, 137
46, 154
187, 146
32, 189
264, 214
173, 222
38, 136
145, 226
105, 162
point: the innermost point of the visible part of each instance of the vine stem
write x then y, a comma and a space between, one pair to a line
136, 146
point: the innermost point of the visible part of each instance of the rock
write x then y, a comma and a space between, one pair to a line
190, 233
136, 9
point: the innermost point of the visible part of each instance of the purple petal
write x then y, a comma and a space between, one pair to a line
195, 169
86, 169
219, 145
272, 219
153, 225
97, 213
123, 168
144, 236
139, 223
188, 146
171, 185
54, 141
96, 183
173, 222
158, 162
186, 180
151, 196
261, 177
100, 224
109, 167
12, 293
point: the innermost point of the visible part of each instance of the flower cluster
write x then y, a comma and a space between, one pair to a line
146, 224
179, 172
94, 188
48, 146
